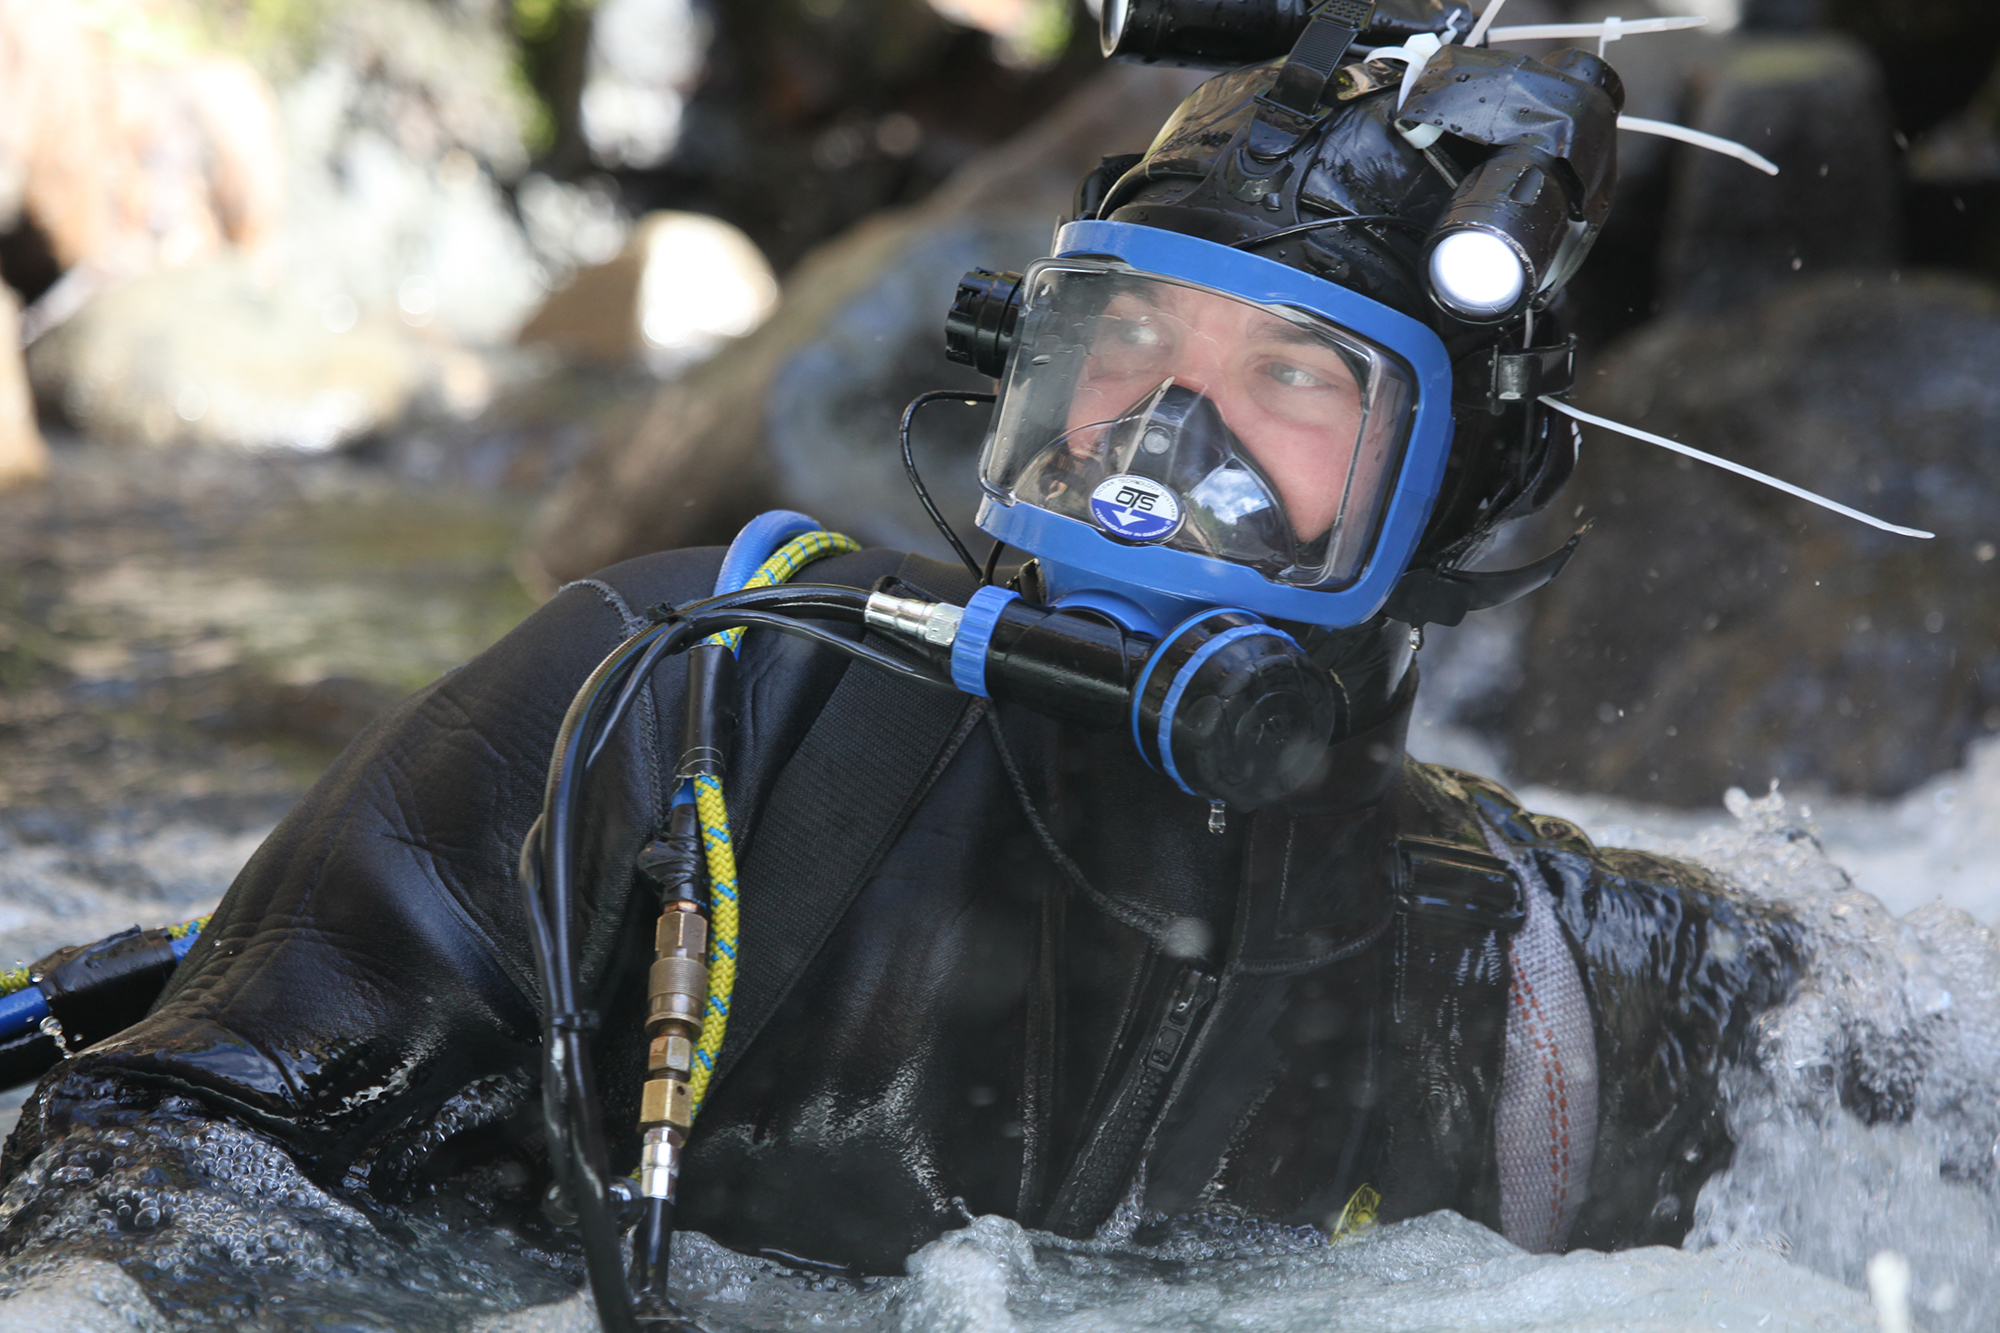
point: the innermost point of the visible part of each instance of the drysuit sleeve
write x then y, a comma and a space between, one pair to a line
370, 962
1675, 967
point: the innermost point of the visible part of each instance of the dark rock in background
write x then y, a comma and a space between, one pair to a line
1713, 632
811, 116
1814, 106
803, 412
1933, 52
1933, 58
1954, 199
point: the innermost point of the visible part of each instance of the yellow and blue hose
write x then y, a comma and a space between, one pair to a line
713, 810
23, 1006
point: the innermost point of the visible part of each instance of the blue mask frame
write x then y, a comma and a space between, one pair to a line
1076, 556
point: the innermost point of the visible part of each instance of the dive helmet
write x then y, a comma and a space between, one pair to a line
1288, 359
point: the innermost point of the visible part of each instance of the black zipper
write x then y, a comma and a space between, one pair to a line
1103, 1167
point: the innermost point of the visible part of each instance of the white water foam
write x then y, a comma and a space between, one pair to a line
1430, 1274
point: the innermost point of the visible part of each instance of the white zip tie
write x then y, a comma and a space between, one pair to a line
1609, 30
1715, 143
1677, 447
1486, 17
1415, 54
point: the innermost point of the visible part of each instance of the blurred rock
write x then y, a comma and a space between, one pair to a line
803, 412
683, 286
312, 254
399, 127
23, 456
832, 409
1953, 208
1713, 632
644, 58
808, 118
1934, 52
212, 354
244, 702
54, 104
1814, 105
122, 154
1964, 148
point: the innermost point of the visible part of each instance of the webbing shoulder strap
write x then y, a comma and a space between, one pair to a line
834, 812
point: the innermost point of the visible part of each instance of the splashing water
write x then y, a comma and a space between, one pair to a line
1867, 1119
179, 1221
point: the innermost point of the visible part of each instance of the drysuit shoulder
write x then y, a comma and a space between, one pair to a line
370, 964
1675, 965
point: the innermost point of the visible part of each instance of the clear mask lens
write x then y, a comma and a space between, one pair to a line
1164, 413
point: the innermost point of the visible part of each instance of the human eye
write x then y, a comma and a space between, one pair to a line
1293, 376
1301, 386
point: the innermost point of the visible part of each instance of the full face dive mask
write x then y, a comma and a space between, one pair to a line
1162, 414
1183, 425
1194, 443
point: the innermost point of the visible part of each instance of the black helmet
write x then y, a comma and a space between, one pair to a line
1434, 198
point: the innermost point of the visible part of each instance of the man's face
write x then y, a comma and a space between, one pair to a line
1289, 396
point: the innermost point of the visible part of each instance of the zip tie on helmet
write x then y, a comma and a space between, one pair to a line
1726, 465
1610, 30
1715, 143
1477, 37
1415, 54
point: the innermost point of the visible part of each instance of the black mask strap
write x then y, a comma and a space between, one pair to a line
1317, 53
1291, 108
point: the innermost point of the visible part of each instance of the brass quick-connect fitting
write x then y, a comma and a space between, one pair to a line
677, 995
665, 1101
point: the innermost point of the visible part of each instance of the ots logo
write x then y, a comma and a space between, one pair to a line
1138, 509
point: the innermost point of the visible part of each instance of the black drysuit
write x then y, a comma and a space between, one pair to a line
940, 1007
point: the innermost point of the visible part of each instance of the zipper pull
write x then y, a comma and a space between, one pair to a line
1192, 992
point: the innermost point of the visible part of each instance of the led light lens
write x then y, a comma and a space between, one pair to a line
1476, 273
1112, 27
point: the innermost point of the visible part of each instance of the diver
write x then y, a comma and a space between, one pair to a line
1089, 883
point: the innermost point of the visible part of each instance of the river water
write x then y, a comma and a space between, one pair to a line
181, 649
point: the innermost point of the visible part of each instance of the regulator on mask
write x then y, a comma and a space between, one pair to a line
1224, 703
